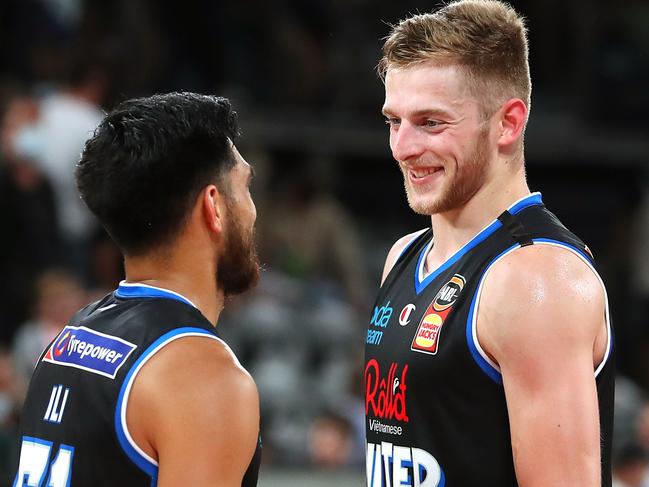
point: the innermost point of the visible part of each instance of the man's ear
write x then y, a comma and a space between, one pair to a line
512, 122
213, 209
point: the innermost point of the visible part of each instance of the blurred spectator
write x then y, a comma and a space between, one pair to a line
303, 354
629, 403
631, 466
53, 140
28, 215
58, 296
330, 441
11, 394
642, 426
10, 391
308, 234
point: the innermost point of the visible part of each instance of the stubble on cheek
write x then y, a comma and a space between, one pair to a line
460, 182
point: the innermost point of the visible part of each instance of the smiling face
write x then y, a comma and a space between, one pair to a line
438, 135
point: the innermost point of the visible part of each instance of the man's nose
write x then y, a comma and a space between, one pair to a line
406, 141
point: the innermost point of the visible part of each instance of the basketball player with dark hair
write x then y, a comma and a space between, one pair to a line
488, 355
138, 389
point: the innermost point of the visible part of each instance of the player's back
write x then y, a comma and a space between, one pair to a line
73, 428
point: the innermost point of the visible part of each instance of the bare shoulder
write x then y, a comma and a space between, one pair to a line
540, 296
202, 366
194, 393
396, 250
202, 371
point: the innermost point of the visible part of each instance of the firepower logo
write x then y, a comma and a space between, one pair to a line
385, 397
89, 350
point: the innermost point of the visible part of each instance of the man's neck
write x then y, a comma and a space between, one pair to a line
453, 229
194, 282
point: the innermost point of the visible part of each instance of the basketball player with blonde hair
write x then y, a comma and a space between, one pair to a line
489, 351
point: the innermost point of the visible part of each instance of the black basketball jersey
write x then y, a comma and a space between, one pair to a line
73, 426
435, 407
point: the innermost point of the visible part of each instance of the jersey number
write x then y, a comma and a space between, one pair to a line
35, 465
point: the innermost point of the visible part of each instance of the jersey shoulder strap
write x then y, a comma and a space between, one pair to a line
409, 253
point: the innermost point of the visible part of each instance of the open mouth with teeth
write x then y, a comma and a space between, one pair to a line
421, 173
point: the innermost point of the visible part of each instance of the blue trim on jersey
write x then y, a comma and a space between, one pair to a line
140, 291
371, 472
141, 462
407, 464
531, 200
486, 367
590, 260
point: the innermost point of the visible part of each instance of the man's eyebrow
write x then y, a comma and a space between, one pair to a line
251, 173
424, 112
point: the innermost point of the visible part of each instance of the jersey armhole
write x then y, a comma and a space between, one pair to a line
132, 450
481, 358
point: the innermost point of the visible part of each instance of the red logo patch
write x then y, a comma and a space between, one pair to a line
385, 397
426, 339
61, 344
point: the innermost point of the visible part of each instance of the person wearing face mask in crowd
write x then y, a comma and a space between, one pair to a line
28, 214
64, 118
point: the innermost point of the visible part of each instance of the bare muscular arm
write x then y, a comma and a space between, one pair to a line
542, 320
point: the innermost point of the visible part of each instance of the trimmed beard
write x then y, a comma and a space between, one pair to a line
467, 182
238, 266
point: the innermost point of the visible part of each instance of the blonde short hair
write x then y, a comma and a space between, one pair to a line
487, 39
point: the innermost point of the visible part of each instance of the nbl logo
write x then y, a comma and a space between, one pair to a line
426, 339
449, 293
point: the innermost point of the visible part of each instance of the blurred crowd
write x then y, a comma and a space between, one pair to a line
299, 333
326, 218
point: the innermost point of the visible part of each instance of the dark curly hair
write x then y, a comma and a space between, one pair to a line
149, 159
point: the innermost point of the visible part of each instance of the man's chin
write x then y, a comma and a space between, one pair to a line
242, 283
423, 206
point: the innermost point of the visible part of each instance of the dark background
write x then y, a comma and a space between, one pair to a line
301, 74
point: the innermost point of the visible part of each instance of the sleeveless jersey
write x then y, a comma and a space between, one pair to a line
73, 426
435, 406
